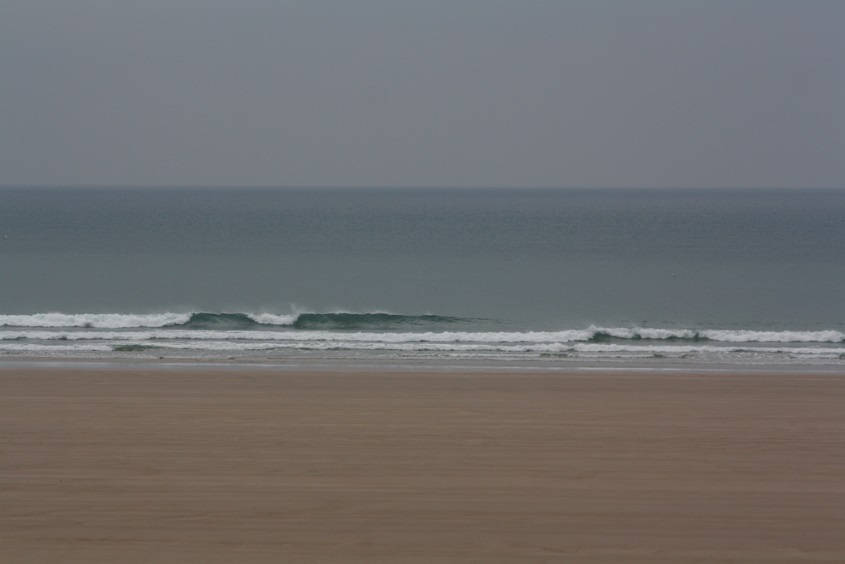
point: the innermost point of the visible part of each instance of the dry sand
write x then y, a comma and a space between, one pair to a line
249, 466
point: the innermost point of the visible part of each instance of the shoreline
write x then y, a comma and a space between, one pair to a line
414, 365
258, 464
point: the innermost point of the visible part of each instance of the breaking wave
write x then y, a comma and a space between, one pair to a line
586, 350
213, 335
94, 320
721, 335
367, 321
225, 321
390, 327
232, 321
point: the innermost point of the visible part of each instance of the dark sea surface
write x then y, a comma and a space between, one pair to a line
754, 276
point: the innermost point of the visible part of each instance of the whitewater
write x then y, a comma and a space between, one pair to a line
355, 336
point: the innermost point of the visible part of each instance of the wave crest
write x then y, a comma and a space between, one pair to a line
414, 327
225, 321
602, 334
94, 320
341, 321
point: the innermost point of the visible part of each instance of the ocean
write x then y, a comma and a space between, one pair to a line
516, 277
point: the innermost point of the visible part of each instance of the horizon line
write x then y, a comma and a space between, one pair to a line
403, 187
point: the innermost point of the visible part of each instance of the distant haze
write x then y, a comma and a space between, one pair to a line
432, 93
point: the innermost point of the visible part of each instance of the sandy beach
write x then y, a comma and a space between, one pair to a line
144, 465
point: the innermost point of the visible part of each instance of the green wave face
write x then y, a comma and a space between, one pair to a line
219, 321
341, 321
316, 321
133, 348
608, 337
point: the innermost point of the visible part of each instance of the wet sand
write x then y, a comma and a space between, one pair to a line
139, 465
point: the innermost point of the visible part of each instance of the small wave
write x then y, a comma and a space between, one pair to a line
774, 336
133, 347
94, 320
166, 334
346, 321
230, 321
197, 320
602, 334
388, 326
225, 321
540, 349
312, 321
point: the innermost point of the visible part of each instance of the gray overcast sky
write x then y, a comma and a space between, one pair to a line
423, 93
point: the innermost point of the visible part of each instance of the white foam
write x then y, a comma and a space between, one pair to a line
774, 336
99, 320
273, 319
59, 333
161, 320
723, 335
35, 347
237, 335
623, 350
703, 349
644, 333
569, 336
124, 320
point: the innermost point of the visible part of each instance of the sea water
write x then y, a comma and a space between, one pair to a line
518, 275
